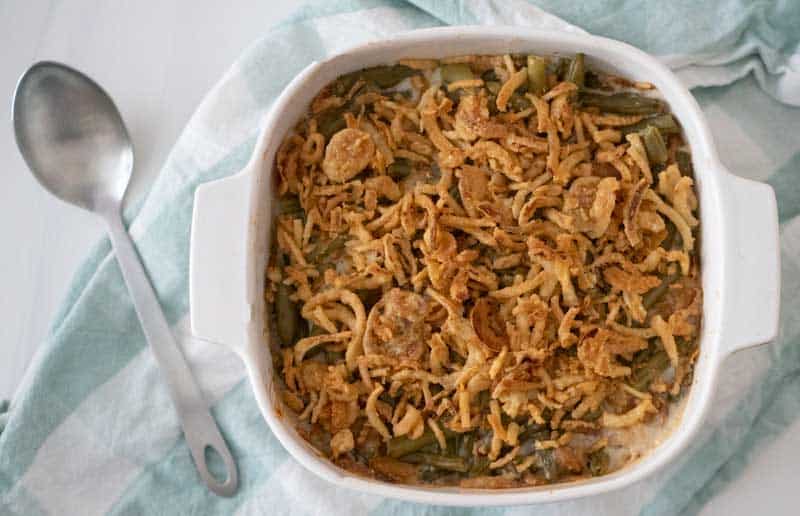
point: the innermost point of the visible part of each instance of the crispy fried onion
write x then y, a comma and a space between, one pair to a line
472, 259
632, 210
590, 202
472, 119
488, 324
599, 352
680, 192
351, 300
630, 418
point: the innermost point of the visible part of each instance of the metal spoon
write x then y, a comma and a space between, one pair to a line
75, 142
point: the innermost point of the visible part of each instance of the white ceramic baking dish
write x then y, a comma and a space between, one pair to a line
233, 217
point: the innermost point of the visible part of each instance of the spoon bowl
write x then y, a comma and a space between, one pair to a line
72, 136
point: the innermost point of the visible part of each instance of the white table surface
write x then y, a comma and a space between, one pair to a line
157, 60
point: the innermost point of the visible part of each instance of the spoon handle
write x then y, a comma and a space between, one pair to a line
198, 424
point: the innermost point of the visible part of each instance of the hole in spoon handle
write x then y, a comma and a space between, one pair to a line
215, 465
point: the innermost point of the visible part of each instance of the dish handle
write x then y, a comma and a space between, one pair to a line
752, 269
219, 310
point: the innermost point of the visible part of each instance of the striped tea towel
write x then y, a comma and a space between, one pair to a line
92, 430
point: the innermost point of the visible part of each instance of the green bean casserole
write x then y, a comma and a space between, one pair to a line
485, 271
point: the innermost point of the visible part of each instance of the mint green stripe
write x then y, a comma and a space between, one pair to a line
448, 12
324, 8
103, 317
650, 25
299, 41
294, 46
87, 269
786, 183
20, 502
172, 486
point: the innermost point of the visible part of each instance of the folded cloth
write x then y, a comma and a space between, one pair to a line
93, 430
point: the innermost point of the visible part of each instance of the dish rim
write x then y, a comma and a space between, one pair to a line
714, 185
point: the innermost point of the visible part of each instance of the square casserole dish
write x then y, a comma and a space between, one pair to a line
740, 258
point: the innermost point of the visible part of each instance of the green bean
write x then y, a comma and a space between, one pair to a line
622, 103
277, 361
493, 105
456, 359
386, 76
548, 464
456, 72
341, 86
303, 327
529, 437
427, 473
527, 447
592, 80
438, 461
369, 297
479, 466
534, 430
655, 146
642, 356
331, 121
388, 399
649, 369
655, 294
664, 123
519, 102
576, 72
484, 398
490, 76
452, 446
321, 252
394, 469
599, 462
684, 160
314, 330
455, 193
593, 415
290, 206
333, 357
403, 445
455, 95
381, 77
404, 94
560, 67
466, 443
537, 75
602, 310
435, 173
673, 238
686, 346
400, 169
287, 316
